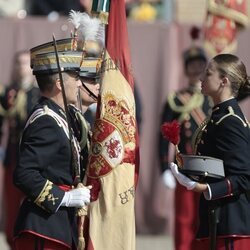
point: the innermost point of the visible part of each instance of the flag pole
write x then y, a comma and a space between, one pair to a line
75, 165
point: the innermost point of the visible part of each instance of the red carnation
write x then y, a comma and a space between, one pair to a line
171, 131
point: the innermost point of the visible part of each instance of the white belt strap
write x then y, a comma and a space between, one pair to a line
47, 111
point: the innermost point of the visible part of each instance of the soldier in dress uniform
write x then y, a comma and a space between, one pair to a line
88, 94
226, 136
55, 141
48, 164
16, 103
92, 39
190, 108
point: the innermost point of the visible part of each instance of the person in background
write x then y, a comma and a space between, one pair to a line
82, 114
82, 124
17, 102
189, 107
225, 136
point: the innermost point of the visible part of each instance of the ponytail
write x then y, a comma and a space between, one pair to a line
244, 90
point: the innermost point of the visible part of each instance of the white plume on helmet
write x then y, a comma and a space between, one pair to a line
92, 29
75, 18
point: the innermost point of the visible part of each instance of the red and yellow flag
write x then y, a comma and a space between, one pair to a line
113, 160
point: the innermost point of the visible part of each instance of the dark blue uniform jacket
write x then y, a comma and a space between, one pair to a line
45, 163
227, 137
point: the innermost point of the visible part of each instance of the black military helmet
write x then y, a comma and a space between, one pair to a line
43, 57
81, 52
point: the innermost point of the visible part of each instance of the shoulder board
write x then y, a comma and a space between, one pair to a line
232, 113
45, 110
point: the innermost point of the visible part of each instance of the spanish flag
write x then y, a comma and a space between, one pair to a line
113, 160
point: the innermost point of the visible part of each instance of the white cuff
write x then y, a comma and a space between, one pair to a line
208, 194
63, 202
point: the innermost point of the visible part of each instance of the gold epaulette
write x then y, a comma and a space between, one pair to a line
232, 113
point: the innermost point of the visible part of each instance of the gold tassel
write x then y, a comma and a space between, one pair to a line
81, 243
81, 240
81, 213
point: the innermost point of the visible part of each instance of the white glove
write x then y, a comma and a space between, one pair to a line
182, 179
78, 197
168, 179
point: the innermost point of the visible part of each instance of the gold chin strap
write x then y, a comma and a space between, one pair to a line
91, 94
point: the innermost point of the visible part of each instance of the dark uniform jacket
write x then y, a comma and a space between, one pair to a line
44, 163
227, 137
190, 108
